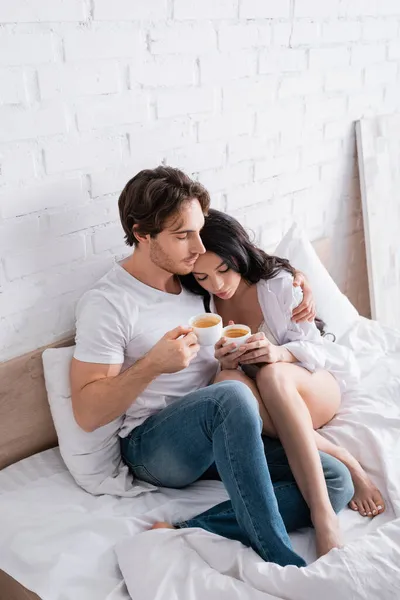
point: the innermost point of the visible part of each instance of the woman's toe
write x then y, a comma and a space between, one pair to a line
373, 508
353, 505
360, 507
378, 500
367, 506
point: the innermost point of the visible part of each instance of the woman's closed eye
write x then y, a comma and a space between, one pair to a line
205, 276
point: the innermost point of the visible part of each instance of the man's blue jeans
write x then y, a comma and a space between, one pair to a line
216, 431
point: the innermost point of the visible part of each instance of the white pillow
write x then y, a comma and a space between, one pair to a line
332, 306
93, 459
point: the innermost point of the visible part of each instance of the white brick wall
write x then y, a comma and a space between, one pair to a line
255, 98
25, 48
71, 80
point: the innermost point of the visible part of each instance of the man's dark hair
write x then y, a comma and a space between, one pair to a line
155, 195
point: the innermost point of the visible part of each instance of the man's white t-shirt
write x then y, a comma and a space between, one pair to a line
120, 319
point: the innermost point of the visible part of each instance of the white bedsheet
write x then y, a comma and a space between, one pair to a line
63, 543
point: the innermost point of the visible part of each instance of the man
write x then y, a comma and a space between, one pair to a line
136, 356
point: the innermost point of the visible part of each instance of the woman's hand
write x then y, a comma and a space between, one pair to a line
306, 310
260, 350
227, 358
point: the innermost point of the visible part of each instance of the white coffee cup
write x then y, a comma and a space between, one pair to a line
207, 334
239, 340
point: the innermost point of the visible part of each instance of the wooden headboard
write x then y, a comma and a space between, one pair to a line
26, 426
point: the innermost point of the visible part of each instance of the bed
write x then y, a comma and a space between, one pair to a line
60, 543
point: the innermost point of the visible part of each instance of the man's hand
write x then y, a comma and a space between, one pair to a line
306, 310
174, 352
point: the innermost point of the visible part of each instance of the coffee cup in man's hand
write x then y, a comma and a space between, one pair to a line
207, 327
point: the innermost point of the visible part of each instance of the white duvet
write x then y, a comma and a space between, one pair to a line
65, 544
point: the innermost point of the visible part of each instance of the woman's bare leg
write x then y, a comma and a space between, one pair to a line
292, 420
367, 498
320, 393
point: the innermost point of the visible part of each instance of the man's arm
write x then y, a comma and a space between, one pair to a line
101, 393
306, 309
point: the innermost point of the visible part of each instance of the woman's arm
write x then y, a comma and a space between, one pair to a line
261, 350
300, 342
285, 355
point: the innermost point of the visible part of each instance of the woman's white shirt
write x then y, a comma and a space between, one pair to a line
277, 298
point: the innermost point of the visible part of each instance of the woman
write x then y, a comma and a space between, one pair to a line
296, 375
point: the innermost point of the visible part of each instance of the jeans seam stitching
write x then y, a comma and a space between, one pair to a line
285, 485
138, 439
132, 468
236, 483
169, 416
208, 517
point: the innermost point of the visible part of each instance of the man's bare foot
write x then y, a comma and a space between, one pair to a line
367, 499
327, 533
162, 525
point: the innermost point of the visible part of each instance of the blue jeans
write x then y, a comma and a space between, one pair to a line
216, 432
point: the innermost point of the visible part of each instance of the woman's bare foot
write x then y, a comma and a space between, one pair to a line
367, 499
162, 525
327, 533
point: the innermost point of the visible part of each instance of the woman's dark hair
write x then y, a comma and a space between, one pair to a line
154, 195
225, 236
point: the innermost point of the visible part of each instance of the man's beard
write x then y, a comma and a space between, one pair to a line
163, 261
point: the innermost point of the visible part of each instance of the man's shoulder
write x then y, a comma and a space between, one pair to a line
108, 293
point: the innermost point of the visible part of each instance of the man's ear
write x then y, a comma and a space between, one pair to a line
143, 238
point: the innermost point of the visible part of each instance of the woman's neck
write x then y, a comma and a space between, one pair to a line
238, 297
242, 290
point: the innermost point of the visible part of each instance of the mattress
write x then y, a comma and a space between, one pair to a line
64, 544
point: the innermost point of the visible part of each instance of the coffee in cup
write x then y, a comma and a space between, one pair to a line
207, 327
208, 321
237, 334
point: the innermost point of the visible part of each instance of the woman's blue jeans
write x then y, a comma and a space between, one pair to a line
215, 432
